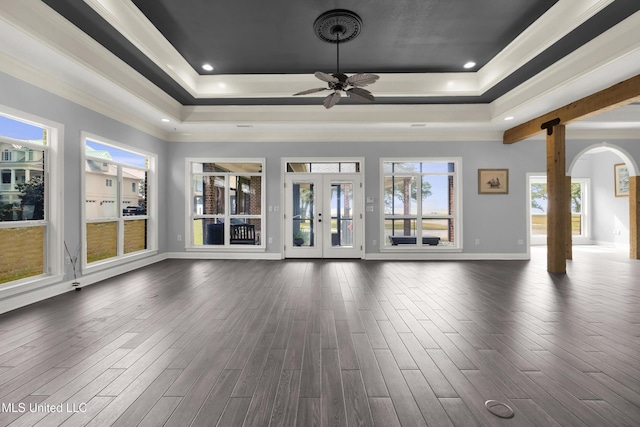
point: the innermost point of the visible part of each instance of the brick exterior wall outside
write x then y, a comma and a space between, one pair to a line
451, 210
214, 199
22, 253
255, 188
213, 203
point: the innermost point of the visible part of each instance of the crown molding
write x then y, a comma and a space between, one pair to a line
39, 22
361, 135
561, 19
606, 60
306, 114
126, 18
81, 70
557, 22
38, 78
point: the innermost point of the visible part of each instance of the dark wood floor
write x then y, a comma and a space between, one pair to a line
307, 343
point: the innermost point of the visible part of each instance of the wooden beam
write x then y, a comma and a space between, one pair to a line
615, 96
634, 216
556, 201
569, 222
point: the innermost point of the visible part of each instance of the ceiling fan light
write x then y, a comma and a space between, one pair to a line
336, 26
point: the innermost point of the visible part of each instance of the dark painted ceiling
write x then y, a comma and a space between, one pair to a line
400, 36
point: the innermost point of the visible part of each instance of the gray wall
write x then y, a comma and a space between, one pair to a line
609, 214
19, 95
498, 221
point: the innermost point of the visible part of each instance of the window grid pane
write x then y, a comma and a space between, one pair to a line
419, 199
135, 235
26, 255
227, 203
102, 240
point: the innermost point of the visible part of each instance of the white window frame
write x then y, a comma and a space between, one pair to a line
151, 213
457, 209
54, 197
585, 237
190, 216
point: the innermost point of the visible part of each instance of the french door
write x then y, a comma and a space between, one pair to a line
323, 217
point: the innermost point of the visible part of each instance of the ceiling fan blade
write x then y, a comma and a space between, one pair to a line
362, 79
325, 77
307, 92
331, 100
361, 95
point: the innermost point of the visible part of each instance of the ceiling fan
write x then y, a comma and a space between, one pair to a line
337, 26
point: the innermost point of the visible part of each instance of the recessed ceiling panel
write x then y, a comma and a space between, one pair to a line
255, 37
276, 36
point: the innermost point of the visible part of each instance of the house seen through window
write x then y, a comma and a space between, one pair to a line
24, 218
116, 214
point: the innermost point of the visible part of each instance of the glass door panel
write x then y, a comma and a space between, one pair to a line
302, 220
342, 209
323, 216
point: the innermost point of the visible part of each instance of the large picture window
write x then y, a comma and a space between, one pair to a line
118, 208
29, 242
420, 203
226, 199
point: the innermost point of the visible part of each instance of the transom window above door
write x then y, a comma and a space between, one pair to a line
323, 167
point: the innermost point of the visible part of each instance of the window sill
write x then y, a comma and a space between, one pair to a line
114, 262
27, 285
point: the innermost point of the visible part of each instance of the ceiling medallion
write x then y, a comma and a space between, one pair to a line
336, 26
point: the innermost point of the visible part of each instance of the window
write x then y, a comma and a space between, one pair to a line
323, 167
118, 222
420, 199
538, 209
31, 245
225, 199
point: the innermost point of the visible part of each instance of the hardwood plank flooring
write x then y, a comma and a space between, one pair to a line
332, 343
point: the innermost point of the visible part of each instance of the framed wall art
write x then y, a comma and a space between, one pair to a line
493, 181
621, 177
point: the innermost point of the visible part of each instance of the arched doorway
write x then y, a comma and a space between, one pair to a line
613, 216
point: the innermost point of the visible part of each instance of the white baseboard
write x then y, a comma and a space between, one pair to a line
32, 294
457, 256
614, 245
225, 255
390, 256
